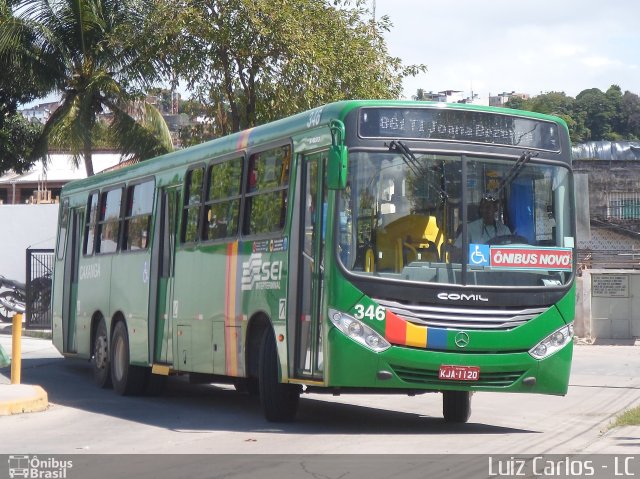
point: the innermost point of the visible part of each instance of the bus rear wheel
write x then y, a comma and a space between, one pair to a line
127, 379
456, 406
279, 401
100, 358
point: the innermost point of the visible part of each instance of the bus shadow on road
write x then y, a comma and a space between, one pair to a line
185, 407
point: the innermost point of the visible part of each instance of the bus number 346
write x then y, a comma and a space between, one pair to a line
370, 312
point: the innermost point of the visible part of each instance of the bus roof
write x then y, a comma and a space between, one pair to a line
272, 131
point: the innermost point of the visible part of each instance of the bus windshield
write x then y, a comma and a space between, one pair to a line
456, 219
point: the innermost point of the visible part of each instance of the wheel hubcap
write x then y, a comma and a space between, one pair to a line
101, 352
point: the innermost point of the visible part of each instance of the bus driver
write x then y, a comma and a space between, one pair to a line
487, 227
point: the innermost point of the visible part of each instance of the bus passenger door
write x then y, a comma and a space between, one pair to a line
313, 202
162, 271
70, 285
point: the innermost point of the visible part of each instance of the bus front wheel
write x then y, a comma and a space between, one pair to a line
127, 379
279, 401
456, 406
100, 358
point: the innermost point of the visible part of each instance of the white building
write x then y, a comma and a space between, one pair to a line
41, 112
456, 96
42, 184
502, 98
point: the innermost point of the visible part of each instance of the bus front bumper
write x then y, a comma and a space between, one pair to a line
352, 365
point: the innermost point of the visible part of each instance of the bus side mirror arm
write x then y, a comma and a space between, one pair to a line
337, 161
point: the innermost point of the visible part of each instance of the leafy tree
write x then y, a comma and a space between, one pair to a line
17, 85
592, 115
253, 61
614, 100
578, 131
101, 137
518, 103
553, 103
420, 95
197, 133
598, 110
89, 50
16, 137
630, 116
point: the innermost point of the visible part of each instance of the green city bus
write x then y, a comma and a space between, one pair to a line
330, 252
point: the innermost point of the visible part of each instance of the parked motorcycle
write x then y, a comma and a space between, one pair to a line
14, 298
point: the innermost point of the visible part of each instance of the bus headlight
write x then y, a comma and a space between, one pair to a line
552, 343
358, 331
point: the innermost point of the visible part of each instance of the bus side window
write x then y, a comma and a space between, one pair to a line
267, 185
222, 205
109, 221
192, 204
90, 225
137, 221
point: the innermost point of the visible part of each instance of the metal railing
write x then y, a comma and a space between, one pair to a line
39, 268
608, 259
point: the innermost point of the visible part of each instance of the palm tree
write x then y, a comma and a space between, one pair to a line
91, 52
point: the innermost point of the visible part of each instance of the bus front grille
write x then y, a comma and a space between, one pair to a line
461, 317
429, 377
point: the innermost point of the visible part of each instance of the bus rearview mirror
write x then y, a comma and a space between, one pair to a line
337, 167
337, 162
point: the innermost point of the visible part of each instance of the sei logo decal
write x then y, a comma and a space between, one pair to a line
258, 274
370, 312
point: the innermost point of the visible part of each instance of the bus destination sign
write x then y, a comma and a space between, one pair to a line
458, 125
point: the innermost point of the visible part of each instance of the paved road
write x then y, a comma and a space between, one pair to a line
215, 419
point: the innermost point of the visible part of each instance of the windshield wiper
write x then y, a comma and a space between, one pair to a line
511, 175
414, 165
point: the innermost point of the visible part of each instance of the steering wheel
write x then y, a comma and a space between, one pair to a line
508, 239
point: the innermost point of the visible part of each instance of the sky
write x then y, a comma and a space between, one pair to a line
526, 46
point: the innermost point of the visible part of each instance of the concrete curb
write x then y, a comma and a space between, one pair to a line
22, 398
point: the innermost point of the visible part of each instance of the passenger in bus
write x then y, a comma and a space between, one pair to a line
487, 227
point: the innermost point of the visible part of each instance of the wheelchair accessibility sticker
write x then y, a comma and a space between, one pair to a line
520, 257
479, 254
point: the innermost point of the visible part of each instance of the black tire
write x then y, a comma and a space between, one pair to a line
456, 406
279, 401
127, 379
100, 359
6, 314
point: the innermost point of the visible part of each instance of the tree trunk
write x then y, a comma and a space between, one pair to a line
88, 160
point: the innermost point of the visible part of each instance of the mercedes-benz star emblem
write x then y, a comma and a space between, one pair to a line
462, 339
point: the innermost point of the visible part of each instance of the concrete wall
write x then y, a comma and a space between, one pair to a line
605, 177
24, 226
608, 304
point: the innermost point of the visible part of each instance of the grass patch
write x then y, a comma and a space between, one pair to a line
631, 417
